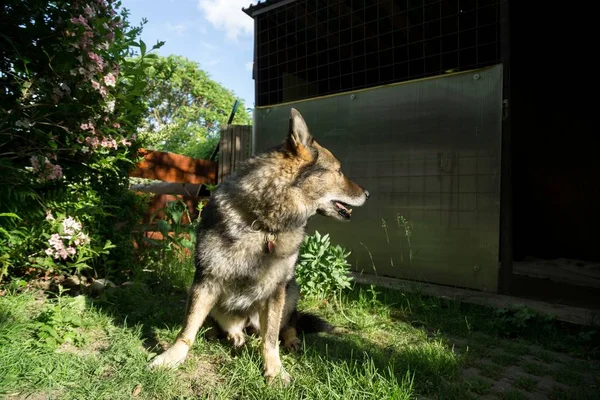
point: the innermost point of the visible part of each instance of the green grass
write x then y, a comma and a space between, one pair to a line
490, 370
568, 377
526, 383
480, 386
537, 369
504, 359
393, 346
513, 394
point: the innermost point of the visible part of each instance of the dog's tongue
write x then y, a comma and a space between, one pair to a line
338, 205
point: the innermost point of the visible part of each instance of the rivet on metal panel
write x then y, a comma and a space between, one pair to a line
476, 268
476, 77
352, 96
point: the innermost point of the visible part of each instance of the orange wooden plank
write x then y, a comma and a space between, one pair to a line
171, 167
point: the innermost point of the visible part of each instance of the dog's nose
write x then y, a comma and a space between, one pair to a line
367, 194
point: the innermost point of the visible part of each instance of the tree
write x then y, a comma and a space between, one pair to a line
186, 108
71, 98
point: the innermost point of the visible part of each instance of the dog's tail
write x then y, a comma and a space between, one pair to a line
310, 323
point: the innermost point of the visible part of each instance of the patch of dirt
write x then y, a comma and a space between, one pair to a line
202, 374
95, 343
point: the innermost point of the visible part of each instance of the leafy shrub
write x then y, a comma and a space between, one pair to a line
71, 100
170, 260
323, 269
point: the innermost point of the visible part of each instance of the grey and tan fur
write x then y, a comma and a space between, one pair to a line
238, 280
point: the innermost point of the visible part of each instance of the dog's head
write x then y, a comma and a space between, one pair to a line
323, 186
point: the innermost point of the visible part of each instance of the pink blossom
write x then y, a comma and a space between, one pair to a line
35, 163
62, 253
49, 216
109, 143
103, 91
80, 21
92, 141
49, 251
81, 238
70, 250
109, 79
85, 127
55, 172
95, 85
88, 11
125, 142
97, 59
85, 149
116, 125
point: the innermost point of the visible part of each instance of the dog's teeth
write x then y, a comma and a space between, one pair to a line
349, 211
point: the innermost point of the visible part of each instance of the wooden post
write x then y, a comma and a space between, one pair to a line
235, 147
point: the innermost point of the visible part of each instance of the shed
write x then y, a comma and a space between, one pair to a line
480, 162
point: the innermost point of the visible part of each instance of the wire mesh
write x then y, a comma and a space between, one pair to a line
311, 48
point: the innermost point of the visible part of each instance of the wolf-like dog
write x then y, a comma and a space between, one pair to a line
248, 241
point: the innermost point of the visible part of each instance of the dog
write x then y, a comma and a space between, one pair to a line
221, 323
248, 240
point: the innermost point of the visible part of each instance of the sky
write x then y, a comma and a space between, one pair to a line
217, 34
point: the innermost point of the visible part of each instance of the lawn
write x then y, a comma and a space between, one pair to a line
387, 345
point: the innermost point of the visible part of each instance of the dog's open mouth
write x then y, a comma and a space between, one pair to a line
343, 209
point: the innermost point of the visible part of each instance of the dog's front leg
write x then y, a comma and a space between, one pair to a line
201, 298
270, 321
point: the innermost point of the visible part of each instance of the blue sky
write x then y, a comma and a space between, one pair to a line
215, 33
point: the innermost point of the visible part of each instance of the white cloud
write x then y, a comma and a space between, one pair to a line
248, 65
178, 29
227, 15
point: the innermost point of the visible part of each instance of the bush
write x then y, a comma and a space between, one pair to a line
70, 104
323, 269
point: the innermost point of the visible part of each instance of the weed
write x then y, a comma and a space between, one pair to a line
526, 383
323, 269
489, 370
568, 377
536, 369
480, 386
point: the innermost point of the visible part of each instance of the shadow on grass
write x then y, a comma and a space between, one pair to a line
430, 360
396, 333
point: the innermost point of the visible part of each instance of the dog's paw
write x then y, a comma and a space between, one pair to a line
293, 345
171, 358
237, 339
282, 378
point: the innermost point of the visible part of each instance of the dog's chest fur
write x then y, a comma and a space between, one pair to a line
242, 266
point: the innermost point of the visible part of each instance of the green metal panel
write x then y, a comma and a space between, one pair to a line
428, 151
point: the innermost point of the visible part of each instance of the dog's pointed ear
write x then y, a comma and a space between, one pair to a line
299, 139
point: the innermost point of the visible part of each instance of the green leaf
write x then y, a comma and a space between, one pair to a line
10, 215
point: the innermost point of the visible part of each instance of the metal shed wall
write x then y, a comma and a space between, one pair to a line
428, 151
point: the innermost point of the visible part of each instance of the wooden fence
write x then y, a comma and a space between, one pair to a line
185, 178
235, 146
